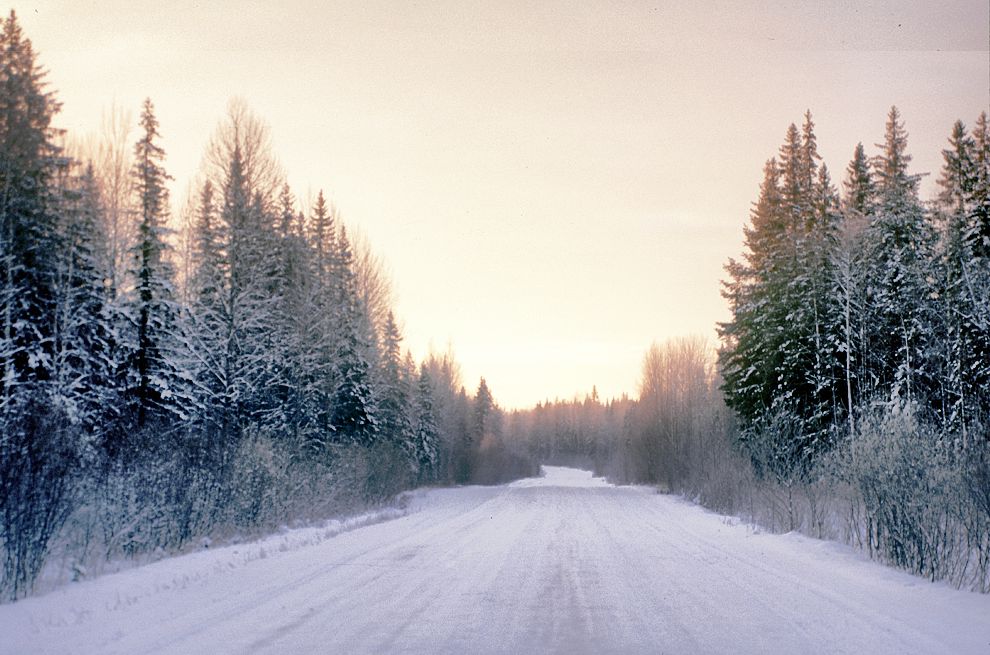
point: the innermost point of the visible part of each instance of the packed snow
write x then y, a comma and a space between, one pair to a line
563, 563
559, 476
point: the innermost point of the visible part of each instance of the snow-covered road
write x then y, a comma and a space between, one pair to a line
559, 564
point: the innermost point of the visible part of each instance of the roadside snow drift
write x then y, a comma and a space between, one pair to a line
564, 563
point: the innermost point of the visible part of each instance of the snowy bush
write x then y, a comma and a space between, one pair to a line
907, 498
39, 465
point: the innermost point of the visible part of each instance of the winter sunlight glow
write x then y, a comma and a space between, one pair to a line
529, 172
462, 326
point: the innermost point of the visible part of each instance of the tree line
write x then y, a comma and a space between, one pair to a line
859, 342
162, 386
850, 394
872, 300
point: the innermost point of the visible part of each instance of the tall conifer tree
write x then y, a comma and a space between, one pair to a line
153, 376
900, 242
28, 162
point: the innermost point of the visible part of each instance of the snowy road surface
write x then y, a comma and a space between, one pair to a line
559, 564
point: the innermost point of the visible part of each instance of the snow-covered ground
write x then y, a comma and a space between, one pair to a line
565, 563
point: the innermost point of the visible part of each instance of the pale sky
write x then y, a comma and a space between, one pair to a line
552, 185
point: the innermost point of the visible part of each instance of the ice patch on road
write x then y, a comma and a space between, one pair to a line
561, 476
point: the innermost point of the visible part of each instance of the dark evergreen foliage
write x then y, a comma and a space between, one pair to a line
267, 383
29, 163
839, 307
151, 309
256, 388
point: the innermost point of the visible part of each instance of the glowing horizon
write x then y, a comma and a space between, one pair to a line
552, 188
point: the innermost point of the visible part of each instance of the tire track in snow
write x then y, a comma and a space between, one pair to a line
563, 564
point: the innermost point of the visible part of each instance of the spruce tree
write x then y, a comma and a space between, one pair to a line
83, 385
354, 417
976, 278
39, 450
899, 242
323, 240
484, 409
298, 328
760, 357
963, 296
233, 326
28, 163
426, 431
860, 194
748, 358
207, 277
329, 299
956, 186
780, 356
394, 402
823, 329
978, 227
153, 379
849, 263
